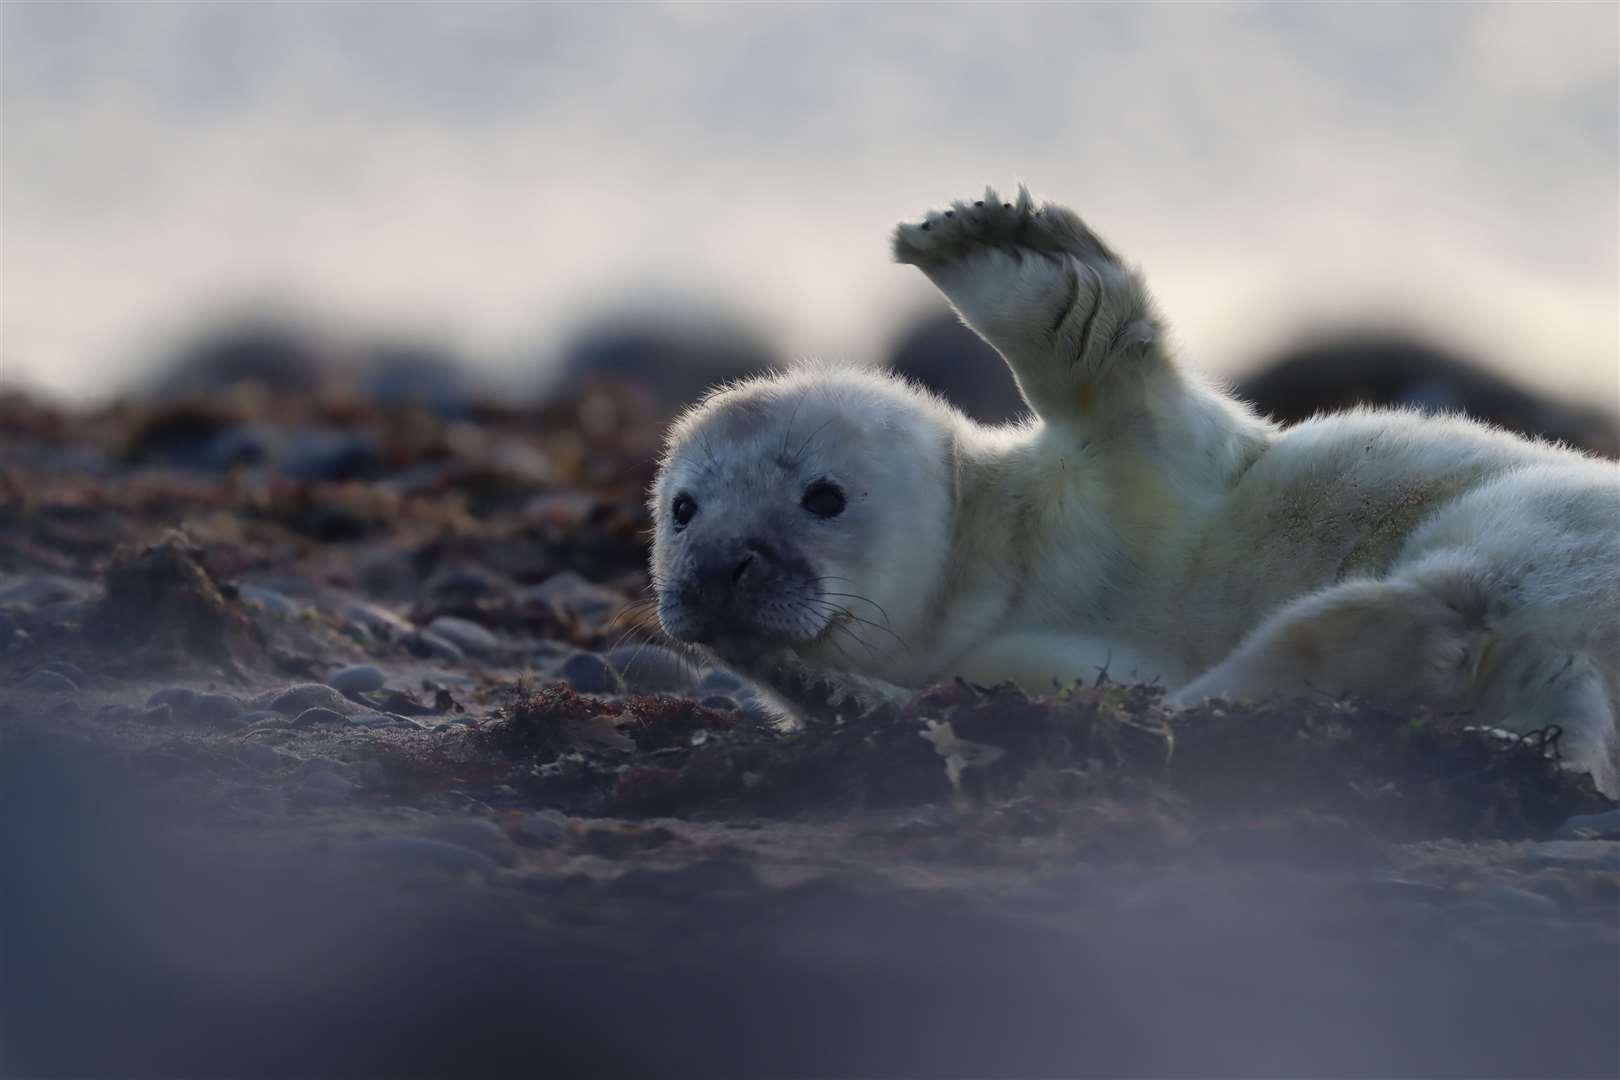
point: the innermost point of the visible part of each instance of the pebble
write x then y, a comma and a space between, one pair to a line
480, 834
1596, 854
544, 826
377, 620
466, 635
257, 717
178, 698
1584, 825
67, 614
420, 853
590, 674
568, 591
720, 703
463, 583
654, 669
239, 445
49, 682
215, 708
380, 719
41, 591
1512, 901
269, 600
295, 699
327, 454
327, 785
318, 714
161, 714
427, 643
356, 679
72, 671
261, 757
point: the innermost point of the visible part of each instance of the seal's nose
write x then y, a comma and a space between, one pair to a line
729, 566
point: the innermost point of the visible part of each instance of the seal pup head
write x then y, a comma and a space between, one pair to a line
796, 505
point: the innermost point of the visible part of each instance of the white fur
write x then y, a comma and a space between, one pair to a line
1148, 524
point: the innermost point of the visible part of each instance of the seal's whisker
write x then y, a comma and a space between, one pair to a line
863, 599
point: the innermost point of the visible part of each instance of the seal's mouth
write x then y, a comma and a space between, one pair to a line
747, 629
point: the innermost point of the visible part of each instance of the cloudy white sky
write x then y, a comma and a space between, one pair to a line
492, 175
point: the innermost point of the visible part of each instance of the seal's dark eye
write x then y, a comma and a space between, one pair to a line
823, 499
683, 509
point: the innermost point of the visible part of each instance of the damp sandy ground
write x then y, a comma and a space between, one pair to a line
348, 755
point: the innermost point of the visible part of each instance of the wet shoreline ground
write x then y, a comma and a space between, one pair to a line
334, 744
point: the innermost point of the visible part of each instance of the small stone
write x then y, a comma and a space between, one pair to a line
427, 643
178, 698
319, 714
215, 708
255, 718
356, 679
42, 591
466, 635
544, 826
590, 674
329, 454
720, 703
328, 784
1521, 902
464, 583
268, 600
295, 699
66, 615
654, 669
49, 682
72, 671
1596, 854
238, 446
377, 620
479, 834
419, 853
261, 757
569, 592
161, 714
1586, 826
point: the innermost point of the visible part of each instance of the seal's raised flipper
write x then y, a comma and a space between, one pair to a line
1075, 324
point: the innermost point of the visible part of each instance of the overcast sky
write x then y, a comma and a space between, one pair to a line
491, 175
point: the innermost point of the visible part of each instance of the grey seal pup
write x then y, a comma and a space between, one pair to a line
844, 538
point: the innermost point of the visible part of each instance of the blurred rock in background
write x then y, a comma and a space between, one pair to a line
1331, 372
941, 354
669, 361
276, 355
656, 365
410, 373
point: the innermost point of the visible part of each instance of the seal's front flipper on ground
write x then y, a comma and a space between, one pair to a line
820, 694
1074, 323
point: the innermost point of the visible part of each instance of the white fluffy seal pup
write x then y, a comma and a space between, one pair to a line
844, 538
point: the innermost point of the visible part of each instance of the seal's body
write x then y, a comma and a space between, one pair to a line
844, 537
